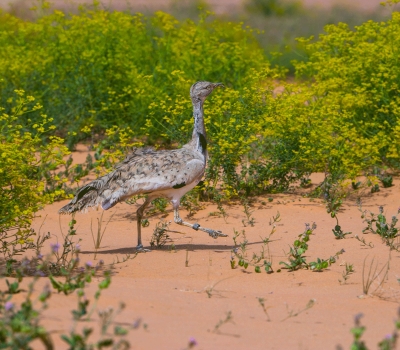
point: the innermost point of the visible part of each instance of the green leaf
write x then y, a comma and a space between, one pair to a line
120, 331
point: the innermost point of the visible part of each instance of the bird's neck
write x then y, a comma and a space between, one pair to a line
199, 136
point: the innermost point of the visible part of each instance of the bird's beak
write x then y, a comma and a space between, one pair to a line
218, 84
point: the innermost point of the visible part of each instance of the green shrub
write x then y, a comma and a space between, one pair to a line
358, 72
104, 69
27, 180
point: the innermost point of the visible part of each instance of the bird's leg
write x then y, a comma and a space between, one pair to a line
139, 216
195, 226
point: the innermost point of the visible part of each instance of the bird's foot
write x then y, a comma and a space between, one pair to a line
215, 234
140, 249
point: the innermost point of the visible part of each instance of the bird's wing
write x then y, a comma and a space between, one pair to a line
151, 171
136, 153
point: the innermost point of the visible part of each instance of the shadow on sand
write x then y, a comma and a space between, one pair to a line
191, 247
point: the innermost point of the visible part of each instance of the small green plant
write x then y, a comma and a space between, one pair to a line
261, 301
20, 324
228, 319
83, 301
364, 243
247, 211
333, 195
75, 277
296, 256
379, 224
356, 185
64, 262
387, 180
79, 339
67, 264
261, 260
322, 264
388, 343
13, 288
292, 313
160, 236
338, 232
349, 269
357, 331
375, 188
297, 259
66, 255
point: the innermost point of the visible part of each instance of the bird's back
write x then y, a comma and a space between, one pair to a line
143, 171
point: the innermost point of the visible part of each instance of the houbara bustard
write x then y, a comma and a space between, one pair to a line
165, 173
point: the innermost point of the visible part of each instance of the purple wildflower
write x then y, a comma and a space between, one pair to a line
8, 306
25, 263
192, 343
78, 247
357, 318
137, 323
55, 247
40, 273
89, 264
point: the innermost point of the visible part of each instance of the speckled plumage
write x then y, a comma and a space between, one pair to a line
165, 173
151, 172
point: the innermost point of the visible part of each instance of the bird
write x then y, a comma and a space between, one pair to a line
163, 173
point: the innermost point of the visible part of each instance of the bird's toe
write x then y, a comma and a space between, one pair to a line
141, 249
216, 234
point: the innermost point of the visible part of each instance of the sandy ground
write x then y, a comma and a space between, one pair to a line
172, 302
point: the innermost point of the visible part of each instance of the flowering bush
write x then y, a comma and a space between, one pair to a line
103, 69
27, 180
358, 72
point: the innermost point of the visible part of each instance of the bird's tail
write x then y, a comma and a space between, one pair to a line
88, 196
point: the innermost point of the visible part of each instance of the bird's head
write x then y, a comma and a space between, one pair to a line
201, 89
